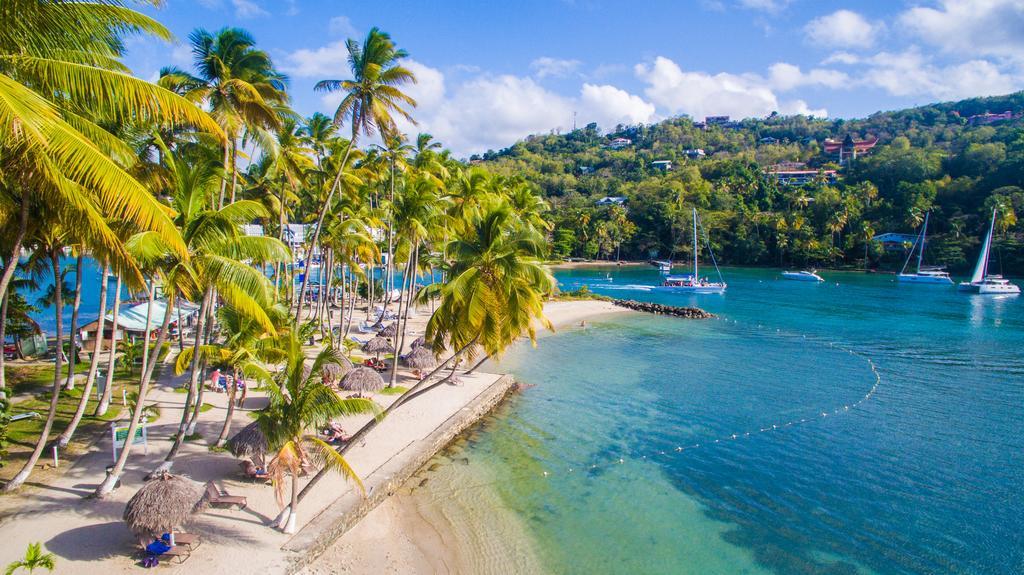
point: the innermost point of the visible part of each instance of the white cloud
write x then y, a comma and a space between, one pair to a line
910, 74
700, 94
608, 106
546, 66
248, 9
291, 8
324, 62
181, 55
975, 27
842, 58
764, 5
785, 77
842, 28
341, 26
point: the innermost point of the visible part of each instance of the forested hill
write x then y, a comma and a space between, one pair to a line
957, 160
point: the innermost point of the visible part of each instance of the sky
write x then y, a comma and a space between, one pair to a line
491, 73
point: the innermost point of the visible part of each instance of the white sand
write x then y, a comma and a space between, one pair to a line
88, 536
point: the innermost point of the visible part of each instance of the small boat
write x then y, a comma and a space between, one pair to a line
664, 266
982, 282
693, 283
802, 276
923, 275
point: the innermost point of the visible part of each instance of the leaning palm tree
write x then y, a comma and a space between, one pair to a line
300, 404
34, 559
371, 97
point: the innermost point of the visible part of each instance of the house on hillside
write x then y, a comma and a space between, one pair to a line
695, 153
663, 165
800, 177
893, 242
848, 148
619, 143
987, 118
611, 201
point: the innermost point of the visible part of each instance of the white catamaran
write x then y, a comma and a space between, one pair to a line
694, 283
981, 281
923, 275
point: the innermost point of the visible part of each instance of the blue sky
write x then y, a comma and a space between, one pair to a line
493, 72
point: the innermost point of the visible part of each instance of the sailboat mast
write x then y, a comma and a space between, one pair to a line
694, 244
924, 235
988, 241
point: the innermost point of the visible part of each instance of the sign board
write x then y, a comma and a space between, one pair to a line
119, 434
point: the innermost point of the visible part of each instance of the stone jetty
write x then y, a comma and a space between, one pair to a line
657, 308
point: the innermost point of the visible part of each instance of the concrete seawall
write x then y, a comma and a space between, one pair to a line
383, 481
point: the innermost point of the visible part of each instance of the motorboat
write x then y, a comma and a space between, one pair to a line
802, 276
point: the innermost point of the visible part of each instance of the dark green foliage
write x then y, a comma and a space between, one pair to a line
927, 159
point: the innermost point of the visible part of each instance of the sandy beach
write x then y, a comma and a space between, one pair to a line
595, 264
88, 536
410, 534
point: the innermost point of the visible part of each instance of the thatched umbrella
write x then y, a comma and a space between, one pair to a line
163, 503
377, 346
421, 358
390, 331
418, 342
377, 326
332, 372
362, 379
249, 442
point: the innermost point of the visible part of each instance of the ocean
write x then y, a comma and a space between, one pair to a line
853, 426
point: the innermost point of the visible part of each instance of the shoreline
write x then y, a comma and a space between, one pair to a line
406, 533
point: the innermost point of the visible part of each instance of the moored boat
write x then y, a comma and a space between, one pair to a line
982, 282
693, 283
802, 276
923, 275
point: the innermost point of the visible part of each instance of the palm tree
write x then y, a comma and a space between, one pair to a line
238, 83
299, 404
371, 97
58, 60
34, 559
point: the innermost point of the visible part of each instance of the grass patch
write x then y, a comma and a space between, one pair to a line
396, 390
205, 407
215, 449
194, 437
180, 390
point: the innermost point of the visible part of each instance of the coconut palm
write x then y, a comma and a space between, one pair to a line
372, 96
239, 84
299, 405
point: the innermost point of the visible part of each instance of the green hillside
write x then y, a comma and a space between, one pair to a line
931, 158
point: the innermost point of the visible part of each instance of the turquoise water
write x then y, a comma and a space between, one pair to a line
861, 427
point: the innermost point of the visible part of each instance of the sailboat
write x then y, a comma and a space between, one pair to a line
981, 281
923, 275
693, 283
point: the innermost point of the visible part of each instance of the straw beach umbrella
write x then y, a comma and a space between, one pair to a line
249, 442
421, 358
334, 371
377, 346
418, 342
389, 331
362, 379
163, 503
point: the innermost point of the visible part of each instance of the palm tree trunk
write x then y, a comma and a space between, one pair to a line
193, 379
104, 404
149, 325
69, 384
190, 427
181, 332
227, 168
320, 222
12, 265
293, 515
226, 429
398, 341
110, 482
94, 362
26, 471
3, 342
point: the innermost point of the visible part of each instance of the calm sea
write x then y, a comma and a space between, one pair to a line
854, 426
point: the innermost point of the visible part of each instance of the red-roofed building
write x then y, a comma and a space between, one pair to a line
848, 148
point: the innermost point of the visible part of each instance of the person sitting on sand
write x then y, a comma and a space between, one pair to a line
334, 433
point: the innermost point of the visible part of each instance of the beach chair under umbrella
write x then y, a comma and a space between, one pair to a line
390, 331
249, 443
421, 358
332, 372
163, 504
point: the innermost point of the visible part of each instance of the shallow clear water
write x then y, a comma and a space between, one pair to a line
820, 465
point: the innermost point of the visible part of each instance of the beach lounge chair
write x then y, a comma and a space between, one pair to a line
218, 497
177, 554
188, 540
